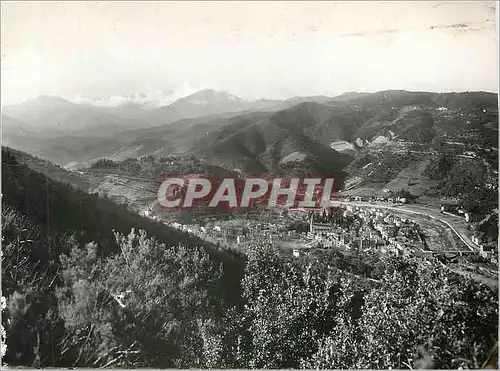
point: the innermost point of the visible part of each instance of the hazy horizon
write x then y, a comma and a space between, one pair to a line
274, 50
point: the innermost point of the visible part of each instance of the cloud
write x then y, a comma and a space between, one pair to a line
152, 99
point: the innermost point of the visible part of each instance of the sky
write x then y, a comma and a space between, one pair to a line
91, 50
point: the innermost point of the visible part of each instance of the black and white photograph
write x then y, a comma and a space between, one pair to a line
249, 184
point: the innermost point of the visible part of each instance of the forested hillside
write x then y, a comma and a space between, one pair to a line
44, 221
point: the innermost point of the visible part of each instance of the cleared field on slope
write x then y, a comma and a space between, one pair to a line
410, 178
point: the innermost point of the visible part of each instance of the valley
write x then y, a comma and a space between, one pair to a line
415, 179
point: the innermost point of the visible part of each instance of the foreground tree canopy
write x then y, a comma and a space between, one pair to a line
159, 306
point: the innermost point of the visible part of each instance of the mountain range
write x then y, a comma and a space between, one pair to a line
313, 133
54, 116
63, 131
